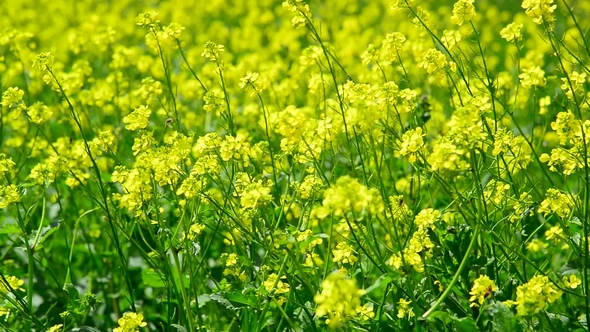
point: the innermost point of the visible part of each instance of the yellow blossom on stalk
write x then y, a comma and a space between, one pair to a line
450, 38
309, 186
339, 300
348, 195
9, 194
365, 313
536, 245
212, 51
522, 207
502, 139
577, 81
39, 113
495, 191
313, 260
541, 11
250, 81
138, 119
463, 10
572, 282
404, 309
106, 140
391, 46
483, 288
433, 60
43, 62
400, 211
280, 288
147, 19
253, 193
12, 97
11, 283
7, 166
557, 202
447, 156
532, 76
130, 322
344, 253
419, 245
412, 142
512, 32
535, 295
301, 11
370, 55
55, 328
305, 235
426, 218
554, 233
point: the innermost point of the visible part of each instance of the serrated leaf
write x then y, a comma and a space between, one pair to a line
179, 327
503, 319
221, 299
238, 297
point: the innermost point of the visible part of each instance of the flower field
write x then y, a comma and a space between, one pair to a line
351, 165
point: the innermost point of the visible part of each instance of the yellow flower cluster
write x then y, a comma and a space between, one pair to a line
339, 299
130, 322
535, 296
483, 288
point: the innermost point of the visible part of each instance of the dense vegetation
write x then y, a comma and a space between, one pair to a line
263, 166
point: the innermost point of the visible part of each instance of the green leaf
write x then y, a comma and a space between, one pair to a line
239, 298
441, 315
466, 324
44, 233
179, 328
72, 292
9, 229
503, 320
222, 299
382, 280
152, 279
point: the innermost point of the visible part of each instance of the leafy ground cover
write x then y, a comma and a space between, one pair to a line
264, 166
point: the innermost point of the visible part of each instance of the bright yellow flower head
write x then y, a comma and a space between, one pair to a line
339, 299
483, 288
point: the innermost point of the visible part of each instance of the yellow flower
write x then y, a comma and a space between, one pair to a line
12, 283
463, 10
573, 282
339, 299
412, 142
280, 288
483, 288
532, 76
554, 233
556, 202
55, 328
433, 60
511, 32
130, 322
138, 119
404, 309
535, 295
540, 10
